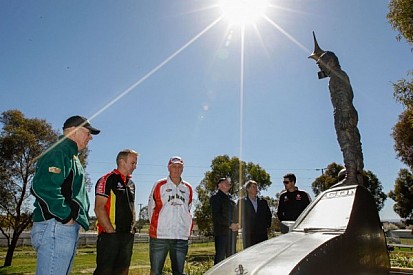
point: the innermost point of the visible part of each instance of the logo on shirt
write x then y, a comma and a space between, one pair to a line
119, 185
54, 170
298, 197
131, 187
168, 190
176, 196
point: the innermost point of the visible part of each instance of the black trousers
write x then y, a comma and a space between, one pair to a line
113, 253
225, 246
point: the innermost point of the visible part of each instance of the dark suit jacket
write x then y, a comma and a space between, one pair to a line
255, 224
224, 212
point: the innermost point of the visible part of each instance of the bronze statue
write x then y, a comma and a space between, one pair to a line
345, 115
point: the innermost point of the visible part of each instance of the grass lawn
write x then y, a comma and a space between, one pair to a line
200, 258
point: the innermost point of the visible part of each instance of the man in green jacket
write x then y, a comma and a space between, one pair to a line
61, 206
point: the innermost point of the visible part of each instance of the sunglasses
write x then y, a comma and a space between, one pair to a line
286, 182
176, 159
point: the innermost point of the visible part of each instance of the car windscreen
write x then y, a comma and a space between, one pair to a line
331, 212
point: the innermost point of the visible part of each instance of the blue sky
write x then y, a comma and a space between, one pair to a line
163, 77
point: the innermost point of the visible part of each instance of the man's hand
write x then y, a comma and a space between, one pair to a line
101, 214
234, 227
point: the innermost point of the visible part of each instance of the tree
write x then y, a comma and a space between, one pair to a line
403, 91
400, 17
239, 172
327, 179
403, 137
144, 214
22, 140
143, 218
370, 181
273, 204
403, 195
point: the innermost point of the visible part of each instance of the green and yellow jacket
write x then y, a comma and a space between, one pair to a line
59, 186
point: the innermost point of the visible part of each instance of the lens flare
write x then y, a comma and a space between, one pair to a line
243, 12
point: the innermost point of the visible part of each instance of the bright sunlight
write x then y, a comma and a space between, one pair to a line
243, 12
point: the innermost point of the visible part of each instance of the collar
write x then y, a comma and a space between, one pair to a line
295, 189
256, 198
65, 141
124, 178
226, 194
169, 180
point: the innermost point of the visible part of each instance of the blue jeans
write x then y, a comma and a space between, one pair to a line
159, 248
55, 244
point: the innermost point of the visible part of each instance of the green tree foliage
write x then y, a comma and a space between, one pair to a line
403, 195
400, 17
273, 204
224, 166
403, 137
144, 214
370, 181
327, 179
22, 140
403, 91
143, 218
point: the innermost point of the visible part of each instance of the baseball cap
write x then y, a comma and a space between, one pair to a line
176, 160
79, 121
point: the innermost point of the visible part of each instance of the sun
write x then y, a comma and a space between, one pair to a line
243, 12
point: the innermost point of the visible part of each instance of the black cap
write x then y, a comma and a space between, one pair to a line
79, 121
221, 180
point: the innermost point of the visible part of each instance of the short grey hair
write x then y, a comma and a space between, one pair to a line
124, 154
249, 183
